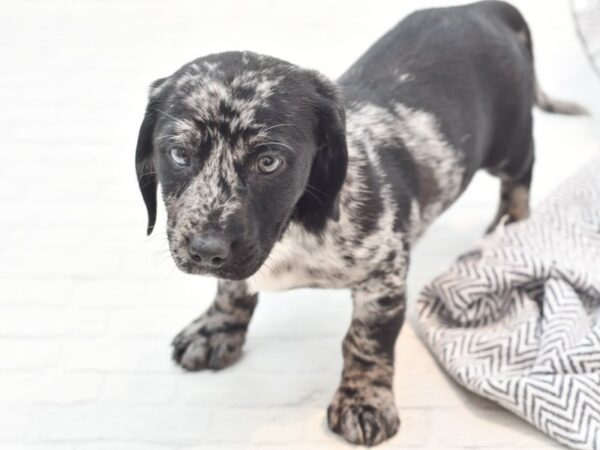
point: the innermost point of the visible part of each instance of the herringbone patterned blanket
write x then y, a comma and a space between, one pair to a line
518, 320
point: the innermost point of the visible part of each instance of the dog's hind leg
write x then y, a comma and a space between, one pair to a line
215, 339
514, 196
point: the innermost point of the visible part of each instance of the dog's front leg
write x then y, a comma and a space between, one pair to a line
215, 339
363, 410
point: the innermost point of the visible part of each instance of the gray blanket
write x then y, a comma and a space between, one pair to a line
518, 320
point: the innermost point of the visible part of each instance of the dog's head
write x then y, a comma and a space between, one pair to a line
241, 144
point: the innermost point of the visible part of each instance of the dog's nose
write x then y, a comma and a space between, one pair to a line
211, 251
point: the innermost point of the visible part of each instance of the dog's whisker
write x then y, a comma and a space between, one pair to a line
272, 127
168, 137
308, 191
314, 188
262, 144
266, 266
167, 115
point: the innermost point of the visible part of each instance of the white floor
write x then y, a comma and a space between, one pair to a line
88, 304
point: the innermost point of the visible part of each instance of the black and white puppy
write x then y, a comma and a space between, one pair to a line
275, 178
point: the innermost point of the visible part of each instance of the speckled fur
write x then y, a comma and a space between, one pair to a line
210, 96
373, 265
338, 256
215, 339
369, 165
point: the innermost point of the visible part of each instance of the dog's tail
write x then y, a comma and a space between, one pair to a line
513, 18
555, 106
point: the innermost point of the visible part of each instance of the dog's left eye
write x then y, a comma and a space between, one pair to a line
180, 156
268, 163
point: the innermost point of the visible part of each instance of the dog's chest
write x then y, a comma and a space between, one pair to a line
334, 259
299, 261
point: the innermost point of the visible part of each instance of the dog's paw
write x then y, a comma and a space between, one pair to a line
364, 416
210, 342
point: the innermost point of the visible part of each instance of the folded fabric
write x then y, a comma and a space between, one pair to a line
518, 320
587, 17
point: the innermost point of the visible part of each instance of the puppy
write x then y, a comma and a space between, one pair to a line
276, 178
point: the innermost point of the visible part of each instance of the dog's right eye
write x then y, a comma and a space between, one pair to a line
180, 156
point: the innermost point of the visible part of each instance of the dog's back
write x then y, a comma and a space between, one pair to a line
468, 66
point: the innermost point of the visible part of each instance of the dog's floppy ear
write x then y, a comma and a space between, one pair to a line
328, 172
144, 155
